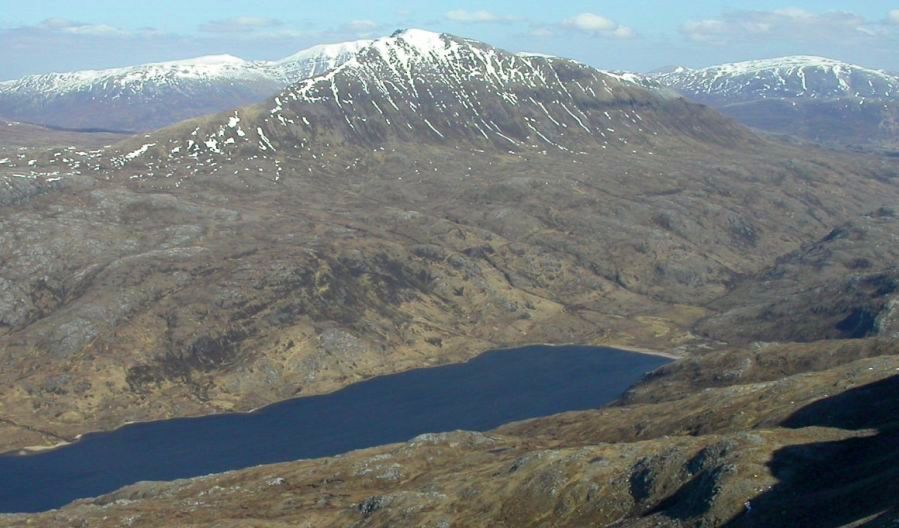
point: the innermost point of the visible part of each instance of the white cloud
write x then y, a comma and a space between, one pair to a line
270, 29
705, 30
590, 23
243, 24
57, 23
794, 13
98, 30
782, 24
71, 27
893, 17
623, 32
476, 17
272, 34
598, 25
541, 33
361, 25
354, 29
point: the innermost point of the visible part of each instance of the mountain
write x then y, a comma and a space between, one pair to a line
421, 86
430, 198
787, 77
813, 98
151, 96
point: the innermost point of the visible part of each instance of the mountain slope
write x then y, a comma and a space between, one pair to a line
431, 198
814, 98
151, 96
842, 286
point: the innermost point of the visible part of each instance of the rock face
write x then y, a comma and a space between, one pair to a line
813, 98
151, 96
431, 198
842, 287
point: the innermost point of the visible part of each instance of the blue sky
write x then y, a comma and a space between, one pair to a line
38, 36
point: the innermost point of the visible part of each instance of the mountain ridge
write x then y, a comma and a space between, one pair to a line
154, 95
790, 76
811, 98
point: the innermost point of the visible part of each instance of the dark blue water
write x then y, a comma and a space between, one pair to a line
493, 389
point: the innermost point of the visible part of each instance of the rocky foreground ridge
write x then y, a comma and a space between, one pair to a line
781, 435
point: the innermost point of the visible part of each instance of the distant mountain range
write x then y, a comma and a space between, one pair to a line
152, 96
787, 77
812, 98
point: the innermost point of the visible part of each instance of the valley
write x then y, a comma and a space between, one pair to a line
337, 250
425, 198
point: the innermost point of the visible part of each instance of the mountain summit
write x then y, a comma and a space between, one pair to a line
423, 87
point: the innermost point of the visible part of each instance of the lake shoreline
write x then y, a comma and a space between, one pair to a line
618, 347
645, 351
495, 388
27, 451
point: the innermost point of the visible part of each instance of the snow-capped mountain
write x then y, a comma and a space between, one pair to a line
133, 80
787, 77
813, 98
427, 89
151, 96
